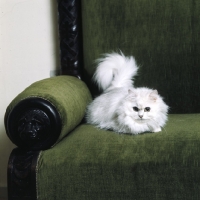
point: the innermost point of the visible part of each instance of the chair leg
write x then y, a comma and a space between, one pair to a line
21, 175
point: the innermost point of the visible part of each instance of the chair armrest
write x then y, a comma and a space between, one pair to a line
46, 111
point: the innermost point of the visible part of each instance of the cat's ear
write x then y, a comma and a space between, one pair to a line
132, 94
153, 95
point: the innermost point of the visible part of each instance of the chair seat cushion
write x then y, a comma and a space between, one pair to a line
97, 164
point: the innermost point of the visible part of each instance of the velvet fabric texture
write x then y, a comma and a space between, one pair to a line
92, 164
68, 94
163, 35
97, 164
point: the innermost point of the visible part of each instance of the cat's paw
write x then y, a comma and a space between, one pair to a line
157, 130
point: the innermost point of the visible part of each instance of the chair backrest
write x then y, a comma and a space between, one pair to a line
163, 36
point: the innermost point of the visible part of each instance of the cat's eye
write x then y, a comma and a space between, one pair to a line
147, 109
136, 109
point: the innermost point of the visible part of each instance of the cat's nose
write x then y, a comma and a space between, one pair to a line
141, 116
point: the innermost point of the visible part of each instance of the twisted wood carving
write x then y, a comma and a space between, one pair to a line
22, 175
22, 164
70, 37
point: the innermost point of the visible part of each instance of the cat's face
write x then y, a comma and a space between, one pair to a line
141, 112
142, 104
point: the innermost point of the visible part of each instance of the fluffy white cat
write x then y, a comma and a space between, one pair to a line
121, 107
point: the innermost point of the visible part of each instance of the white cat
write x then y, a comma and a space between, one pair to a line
121, 107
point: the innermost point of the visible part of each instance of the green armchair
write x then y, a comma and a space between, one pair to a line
59, 156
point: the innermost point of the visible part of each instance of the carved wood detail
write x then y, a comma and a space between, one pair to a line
70, 37
22, 162
22, 175
33, 124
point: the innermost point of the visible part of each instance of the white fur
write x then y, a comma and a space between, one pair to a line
113, 109
115, 70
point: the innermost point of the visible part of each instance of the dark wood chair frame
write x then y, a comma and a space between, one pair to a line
22, 163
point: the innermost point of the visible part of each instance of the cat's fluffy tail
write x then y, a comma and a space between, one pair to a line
115, 70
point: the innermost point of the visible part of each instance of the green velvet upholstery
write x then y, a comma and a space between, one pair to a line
163, 35
92, 164
68, 94
98, 164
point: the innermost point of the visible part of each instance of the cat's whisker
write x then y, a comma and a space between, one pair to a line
165, 129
